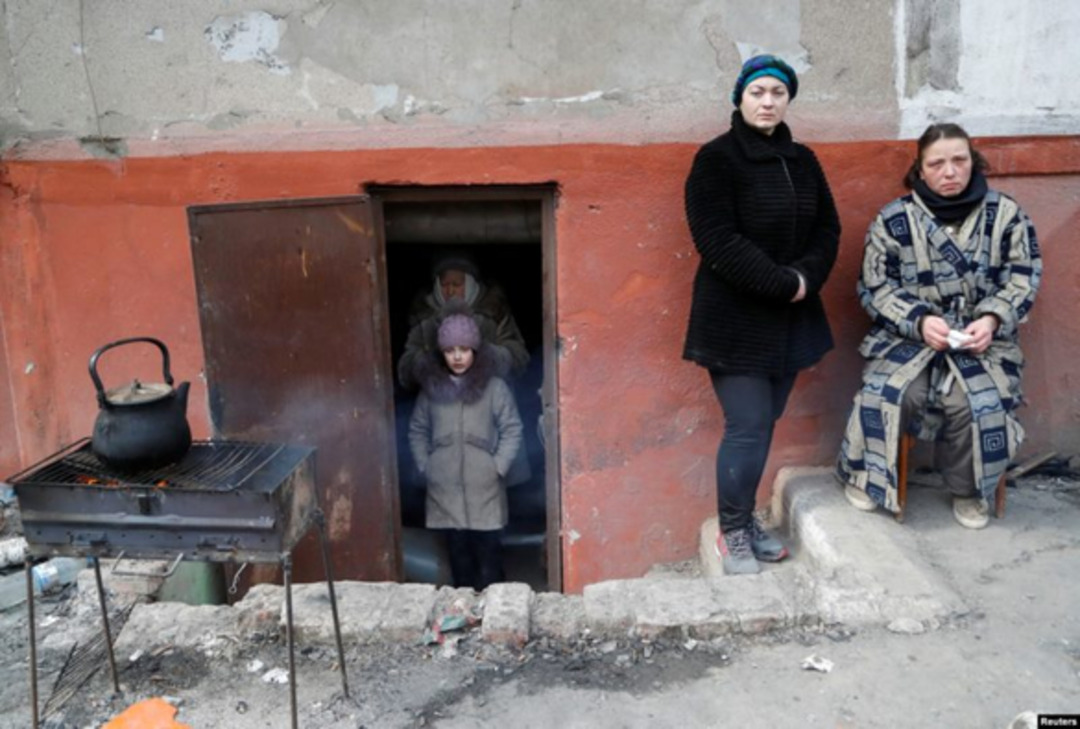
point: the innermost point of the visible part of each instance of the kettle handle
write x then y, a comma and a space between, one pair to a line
102, 400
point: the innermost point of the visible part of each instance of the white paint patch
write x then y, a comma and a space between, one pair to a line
156, 34
384, 96
322, 88
900, 47
573, 535
583, 99
252, 36
305, 91
29, 368
411, 106
1015, 72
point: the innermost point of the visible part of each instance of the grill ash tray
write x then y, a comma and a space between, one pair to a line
224, 501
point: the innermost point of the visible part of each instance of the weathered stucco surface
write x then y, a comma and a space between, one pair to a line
265, 73
169, 78
998, 68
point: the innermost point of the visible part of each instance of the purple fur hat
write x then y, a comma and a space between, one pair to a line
459, 330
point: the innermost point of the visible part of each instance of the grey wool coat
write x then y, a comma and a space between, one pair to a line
463, 435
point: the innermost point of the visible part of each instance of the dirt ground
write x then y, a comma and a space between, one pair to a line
390, 686
1019, 649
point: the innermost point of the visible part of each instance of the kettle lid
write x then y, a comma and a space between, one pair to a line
138, 393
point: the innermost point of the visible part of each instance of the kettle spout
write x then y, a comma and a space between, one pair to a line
182, 395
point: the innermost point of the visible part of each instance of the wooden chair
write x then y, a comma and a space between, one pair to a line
906, 442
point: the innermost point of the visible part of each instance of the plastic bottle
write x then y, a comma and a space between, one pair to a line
48, 576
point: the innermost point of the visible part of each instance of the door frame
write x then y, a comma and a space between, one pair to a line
547, 196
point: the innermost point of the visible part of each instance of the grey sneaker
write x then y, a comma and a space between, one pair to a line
859, 499
736, 552
973, 513
767, 548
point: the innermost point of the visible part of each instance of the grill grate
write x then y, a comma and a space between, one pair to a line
208, 466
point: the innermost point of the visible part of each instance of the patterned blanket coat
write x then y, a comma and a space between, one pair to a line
913, 266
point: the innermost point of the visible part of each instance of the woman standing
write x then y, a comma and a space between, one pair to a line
949, 272
764, 222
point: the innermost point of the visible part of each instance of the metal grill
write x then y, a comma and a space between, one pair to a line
208, 466
224, 501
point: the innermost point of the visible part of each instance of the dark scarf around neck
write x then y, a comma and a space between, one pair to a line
958, 207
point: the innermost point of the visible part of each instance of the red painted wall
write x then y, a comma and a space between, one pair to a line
99, 250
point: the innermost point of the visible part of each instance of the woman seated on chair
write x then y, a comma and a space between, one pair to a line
949, 272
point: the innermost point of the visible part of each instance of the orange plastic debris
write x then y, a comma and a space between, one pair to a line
156, 713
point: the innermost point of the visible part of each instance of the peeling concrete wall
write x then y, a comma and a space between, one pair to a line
998, 68
274, 73
164, 78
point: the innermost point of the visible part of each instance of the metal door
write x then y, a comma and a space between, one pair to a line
292, 306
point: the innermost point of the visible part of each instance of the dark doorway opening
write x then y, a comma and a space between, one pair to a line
503, 231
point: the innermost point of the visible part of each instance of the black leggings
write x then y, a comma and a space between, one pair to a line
752, 404
475, 557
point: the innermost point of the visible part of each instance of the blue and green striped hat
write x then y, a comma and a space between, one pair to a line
765, 65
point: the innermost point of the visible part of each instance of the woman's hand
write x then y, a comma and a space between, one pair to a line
935, 332
801, 293
982, 333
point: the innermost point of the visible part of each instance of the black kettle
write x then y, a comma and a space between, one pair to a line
140, 425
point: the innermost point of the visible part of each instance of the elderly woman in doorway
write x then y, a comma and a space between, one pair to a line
455, 277
949, 272
763, 220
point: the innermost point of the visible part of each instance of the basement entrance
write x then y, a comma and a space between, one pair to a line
508, 234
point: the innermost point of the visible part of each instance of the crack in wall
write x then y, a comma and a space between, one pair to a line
709, 33
510, 38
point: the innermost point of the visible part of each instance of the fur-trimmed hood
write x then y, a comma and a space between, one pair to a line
444, 387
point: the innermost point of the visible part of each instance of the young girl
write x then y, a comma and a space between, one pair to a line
464, 433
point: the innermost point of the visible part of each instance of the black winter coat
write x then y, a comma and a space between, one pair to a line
759, 210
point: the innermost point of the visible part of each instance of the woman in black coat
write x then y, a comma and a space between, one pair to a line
764, 222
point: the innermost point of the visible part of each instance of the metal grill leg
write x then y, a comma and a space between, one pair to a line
321, 522
286, 566
105, 622
33, 642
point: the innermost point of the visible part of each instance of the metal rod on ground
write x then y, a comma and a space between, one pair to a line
320, 521
33, 642
286, 566
105, 622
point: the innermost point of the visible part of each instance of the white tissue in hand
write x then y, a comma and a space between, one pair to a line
958, 339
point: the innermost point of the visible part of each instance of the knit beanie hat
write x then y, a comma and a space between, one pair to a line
459, 330
765, 65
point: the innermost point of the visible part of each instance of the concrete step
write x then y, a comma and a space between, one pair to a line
866, 568
861, 568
